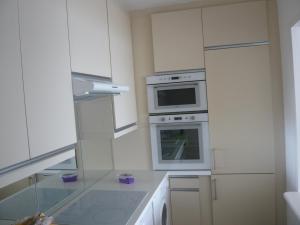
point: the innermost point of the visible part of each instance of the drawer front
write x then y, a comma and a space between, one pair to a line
184, 182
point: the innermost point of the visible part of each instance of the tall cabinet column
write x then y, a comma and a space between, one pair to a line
13, 132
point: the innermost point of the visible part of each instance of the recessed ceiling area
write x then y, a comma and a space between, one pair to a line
146, 4
133, 5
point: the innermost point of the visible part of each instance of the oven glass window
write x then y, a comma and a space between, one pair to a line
182, 96
180, 144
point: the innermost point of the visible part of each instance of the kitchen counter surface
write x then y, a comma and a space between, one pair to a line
147, 182
99, 185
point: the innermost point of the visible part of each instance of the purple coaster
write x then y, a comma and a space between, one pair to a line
69, 177
126, 179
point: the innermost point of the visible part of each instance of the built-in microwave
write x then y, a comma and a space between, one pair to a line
180, 142
181, 92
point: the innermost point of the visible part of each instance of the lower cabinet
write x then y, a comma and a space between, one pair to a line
185, 207
243, 199
191, 201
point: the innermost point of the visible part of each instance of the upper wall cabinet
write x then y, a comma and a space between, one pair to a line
89, 39
235, 24
178, 40
47, 75
125, 112
13, 133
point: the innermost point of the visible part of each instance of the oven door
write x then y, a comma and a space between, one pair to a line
182, 146
177, 97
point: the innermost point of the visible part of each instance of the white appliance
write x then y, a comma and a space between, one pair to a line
180, 142
90, 87
178, 92
162, 205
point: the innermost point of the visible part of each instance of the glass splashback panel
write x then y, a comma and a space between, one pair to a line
44, 192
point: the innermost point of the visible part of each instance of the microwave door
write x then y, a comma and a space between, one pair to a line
164, 98
180, 96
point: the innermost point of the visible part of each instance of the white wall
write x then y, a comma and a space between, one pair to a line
296, 63
95, 130
289, 14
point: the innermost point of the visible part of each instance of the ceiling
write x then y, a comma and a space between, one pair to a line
146, 4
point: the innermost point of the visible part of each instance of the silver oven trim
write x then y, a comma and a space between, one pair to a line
155, 126
176, 77
201, 97
182, 118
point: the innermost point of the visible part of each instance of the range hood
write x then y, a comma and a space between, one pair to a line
86, 87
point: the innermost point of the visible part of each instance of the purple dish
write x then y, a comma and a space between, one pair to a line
126, 179
69, 177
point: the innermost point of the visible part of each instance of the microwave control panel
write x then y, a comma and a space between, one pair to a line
183, 118
176, 77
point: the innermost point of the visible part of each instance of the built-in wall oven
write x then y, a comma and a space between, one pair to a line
180, 142
180, 92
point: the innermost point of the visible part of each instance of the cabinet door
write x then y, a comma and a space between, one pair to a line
13, 133
89, 40
122, 64
191, 200
178, 40
240, 110
235, 23
47, 75
244, 199
185, 207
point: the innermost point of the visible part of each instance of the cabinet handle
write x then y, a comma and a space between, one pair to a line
185, 189
184, 176
214, 189
213, 162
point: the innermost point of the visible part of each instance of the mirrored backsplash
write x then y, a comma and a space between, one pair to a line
44, 192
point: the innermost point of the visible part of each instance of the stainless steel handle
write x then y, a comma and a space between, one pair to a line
185, 189
214, 189
213, 162
184, 176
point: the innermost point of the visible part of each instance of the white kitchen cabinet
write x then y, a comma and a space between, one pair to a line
89, 38
178, 40
13, 133
235, 23
240, 110
191, 201
47, 75
246, 199
185, 207
125, 112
